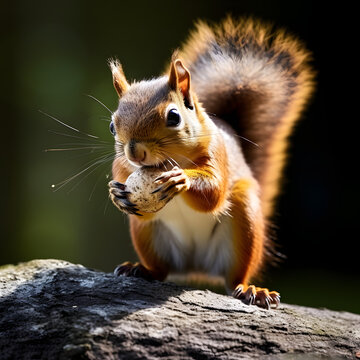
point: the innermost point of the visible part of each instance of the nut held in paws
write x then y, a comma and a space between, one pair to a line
141, 185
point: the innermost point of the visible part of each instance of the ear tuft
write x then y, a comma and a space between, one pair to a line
179, 78
119, 80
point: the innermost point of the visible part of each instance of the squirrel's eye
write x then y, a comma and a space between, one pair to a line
112, 128
173, 118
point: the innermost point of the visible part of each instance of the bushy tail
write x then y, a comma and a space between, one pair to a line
258, 81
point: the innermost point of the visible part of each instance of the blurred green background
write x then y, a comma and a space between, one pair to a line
53, 53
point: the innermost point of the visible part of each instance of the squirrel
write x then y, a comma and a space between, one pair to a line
220, 116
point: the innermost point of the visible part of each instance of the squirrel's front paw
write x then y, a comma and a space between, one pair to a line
171, 183
119, 195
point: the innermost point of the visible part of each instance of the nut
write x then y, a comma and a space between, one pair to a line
141, 185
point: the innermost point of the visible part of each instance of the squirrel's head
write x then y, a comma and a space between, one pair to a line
157, 121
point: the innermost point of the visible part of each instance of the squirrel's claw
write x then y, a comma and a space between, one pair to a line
172, 182
165, 176
117, 184
133, 270
251, 295
119, 196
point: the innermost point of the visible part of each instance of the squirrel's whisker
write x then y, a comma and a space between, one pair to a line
108, 146
176, 163
184, 157
168, 141
246, 139
105, 118
98, 163
98, 160
94, 187
98, 101
68, 126
169, 161
74, 149
80, 138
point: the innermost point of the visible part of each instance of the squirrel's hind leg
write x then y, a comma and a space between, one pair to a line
248, 245
151, 267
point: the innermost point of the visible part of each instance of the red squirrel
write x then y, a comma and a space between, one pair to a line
220, 115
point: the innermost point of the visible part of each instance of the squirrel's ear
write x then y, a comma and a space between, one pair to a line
179, 78
119, 80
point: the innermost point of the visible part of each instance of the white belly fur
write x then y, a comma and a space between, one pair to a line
193, 241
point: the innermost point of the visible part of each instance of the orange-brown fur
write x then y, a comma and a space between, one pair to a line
248, 237
141, 234
210, 182
260, 112
253, 83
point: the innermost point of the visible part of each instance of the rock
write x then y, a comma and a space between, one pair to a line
51, 309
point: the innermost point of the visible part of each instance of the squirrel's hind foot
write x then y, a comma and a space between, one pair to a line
133, 270
261, 297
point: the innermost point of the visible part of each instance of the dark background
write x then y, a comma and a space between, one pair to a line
53, 53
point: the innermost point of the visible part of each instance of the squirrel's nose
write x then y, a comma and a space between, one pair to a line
136, 151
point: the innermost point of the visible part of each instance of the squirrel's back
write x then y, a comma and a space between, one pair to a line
258, 81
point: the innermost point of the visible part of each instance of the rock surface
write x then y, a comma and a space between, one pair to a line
51, 309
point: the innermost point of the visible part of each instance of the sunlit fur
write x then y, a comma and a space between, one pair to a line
258, 80
239, 88
141, 116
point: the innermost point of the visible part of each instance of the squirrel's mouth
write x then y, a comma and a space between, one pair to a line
136, 164
138, 154
162, 164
